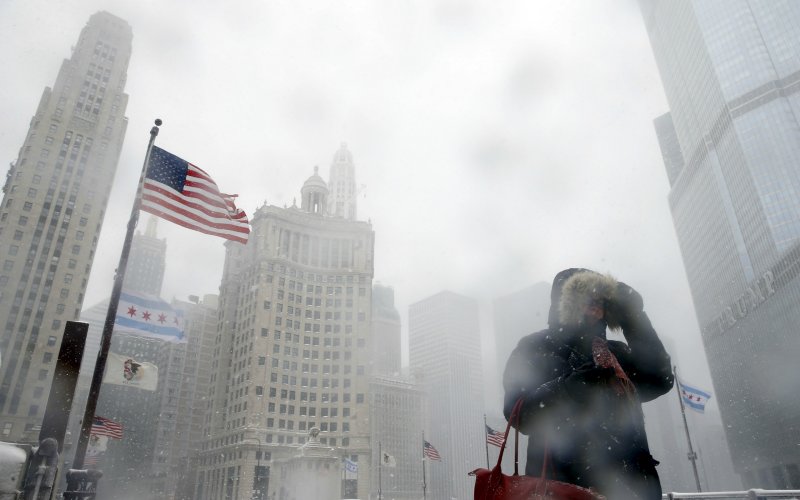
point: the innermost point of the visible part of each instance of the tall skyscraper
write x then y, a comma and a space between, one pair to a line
445, 358
343, 198
731, 145
55, 197
147, 261
293, 348
386, 346
396, 411
515, 316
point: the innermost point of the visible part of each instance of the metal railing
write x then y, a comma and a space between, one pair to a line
754, 494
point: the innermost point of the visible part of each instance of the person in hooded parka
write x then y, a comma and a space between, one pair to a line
582, 393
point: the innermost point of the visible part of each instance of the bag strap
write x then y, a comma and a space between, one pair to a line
514, 418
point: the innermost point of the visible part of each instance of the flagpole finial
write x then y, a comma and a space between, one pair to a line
154, 130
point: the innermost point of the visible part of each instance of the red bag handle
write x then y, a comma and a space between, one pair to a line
514, 419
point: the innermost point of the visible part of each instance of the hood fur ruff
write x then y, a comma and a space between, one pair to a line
582, 287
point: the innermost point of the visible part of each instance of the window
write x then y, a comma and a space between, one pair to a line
33, 410
47, 357
259, 390
7, 428
31, 193
27, 206
51, 340
42, 374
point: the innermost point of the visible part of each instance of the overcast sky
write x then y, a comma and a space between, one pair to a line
498, 142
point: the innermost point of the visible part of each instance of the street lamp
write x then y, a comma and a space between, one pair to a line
259, 476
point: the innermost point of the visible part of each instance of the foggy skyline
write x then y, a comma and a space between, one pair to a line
498, 144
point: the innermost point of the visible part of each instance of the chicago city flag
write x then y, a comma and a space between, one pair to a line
693, 397
149, 316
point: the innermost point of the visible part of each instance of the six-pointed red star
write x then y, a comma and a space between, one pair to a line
132, 311
146, 315
162, 318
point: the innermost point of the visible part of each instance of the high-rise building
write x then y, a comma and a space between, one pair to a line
445, 359
731, 145
147, 261
54, 200
396, 411
515, 316
293, 348
386, 345
343, 198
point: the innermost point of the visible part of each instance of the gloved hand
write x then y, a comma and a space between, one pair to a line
627, 306
583, 381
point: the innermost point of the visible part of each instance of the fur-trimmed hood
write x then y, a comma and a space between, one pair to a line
584, 286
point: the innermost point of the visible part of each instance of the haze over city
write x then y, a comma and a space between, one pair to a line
495, 144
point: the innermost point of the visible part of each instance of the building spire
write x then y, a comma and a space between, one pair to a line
152, 224
342, 201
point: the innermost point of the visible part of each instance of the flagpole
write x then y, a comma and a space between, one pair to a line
486, 439
113, 303
692, 455
380, 463
424, 485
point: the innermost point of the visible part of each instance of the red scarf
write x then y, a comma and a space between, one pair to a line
604, 358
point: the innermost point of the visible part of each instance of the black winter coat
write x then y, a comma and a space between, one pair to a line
598, 439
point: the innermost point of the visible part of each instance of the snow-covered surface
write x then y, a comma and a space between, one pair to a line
12, 468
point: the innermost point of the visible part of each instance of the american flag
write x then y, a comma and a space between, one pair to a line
182, 193
428, 451
494, 437
105, 427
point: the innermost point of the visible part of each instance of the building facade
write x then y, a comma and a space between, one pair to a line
445, 359
387, 342
396, 412
731, 146
343, 197
147, 261
293, 347
54, 200
514, 315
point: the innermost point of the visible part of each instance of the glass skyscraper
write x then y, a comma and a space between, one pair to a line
731, 146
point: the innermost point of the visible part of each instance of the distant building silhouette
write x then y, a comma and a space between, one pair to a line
445, 359
386, 345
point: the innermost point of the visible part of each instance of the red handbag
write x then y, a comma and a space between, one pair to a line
492, 484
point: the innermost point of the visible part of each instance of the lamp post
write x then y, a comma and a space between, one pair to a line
258, 477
